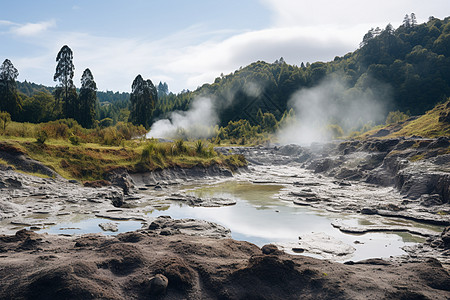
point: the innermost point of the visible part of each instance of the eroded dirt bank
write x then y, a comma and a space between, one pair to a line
148, 265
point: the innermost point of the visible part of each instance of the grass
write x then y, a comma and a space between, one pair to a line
91, 161
427, 125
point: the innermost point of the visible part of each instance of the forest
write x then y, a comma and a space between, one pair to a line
412, 60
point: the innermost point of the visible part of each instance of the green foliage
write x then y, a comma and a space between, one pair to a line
106, 122
179, 147
199, 147
142, 101
5, 118
396, 117
41, 137
335, 131
66, 91
87, 100
74, 140
10, 101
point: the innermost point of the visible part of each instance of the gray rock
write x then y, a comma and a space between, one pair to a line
109, 227
158, 284
369, 211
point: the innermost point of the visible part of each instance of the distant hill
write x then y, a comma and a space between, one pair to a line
414, 60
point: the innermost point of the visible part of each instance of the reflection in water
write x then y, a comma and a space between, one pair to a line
260, 217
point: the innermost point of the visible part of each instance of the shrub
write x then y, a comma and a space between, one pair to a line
395, 117
74, 140
5, 118
199, 147
41, 137
179, 147
110, 137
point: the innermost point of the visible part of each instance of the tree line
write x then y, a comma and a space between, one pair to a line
66, 102
413, 60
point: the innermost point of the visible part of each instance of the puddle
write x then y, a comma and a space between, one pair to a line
260, 217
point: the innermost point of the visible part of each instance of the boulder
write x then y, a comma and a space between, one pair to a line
158, 284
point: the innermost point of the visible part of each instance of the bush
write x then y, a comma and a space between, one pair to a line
335, 131
74, 140
41, 137
199, 147
5, 118
179, 147
395, 117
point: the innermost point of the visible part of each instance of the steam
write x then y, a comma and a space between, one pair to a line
197, 122
333, 102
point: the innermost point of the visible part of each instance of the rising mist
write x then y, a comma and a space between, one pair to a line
196, 123
334, 102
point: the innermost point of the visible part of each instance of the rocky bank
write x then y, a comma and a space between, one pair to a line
192, 259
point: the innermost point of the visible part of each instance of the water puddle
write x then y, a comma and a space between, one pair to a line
261, 217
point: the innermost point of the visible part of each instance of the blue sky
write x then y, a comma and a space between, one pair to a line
188, 43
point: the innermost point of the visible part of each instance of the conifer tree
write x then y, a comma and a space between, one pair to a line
66, 90
10, 100
87, 100
142, 101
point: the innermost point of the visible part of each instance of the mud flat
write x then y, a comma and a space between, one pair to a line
153, 264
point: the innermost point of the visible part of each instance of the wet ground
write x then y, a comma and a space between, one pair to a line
270, 202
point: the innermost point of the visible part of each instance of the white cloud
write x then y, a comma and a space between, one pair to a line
31, 29
349, 12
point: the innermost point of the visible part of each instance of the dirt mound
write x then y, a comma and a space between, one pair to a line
143, 264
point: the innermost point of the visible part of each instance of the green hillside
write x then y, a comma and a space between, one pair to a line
414, 60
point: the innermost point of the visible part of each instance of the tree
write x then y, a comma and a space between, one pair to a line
163, 89
10, 100
64, 74
87, 100
413, 20
5, 118
142, 101
407, 21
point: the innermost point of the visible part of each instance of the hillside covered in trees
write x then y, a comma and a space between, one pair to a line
412, 62
410, 65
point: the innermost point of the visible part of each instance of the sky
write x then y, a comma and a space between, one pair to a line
188, 43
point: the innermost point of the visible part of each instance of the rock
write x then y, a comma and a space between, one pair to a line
441, 142
158, 284
122, 179
430, 200
96, 183
270, 249
13, 183
168, 226
369, 211
109, 226
116, 198
201, 202
445, 236
381, 133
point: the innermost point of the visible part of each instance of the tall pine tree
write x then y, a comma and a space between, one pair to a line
65, 90
142, 101
87, 100
10, 100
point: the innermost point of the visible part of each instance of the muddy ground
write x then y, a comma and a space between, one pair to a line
191, 259
147, 264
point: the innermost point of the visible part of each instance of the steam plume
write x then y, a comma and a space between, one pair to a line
195, 123
333, 102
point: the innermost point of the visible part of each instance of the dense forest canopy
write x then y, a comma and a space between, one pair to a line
412, 62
